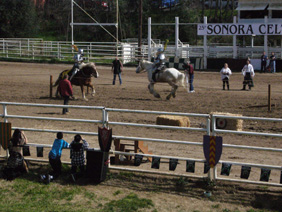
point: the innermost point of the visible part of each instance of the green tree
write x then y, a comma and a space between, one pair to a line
17, 18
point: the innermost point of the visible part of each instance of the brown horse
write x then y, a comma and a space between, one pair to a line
82, 77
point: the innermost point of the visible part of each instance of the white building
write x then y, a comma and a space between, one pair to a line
254, 11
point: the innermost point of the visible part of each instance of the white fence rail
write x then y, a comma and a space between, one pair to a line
105, 121
210, 121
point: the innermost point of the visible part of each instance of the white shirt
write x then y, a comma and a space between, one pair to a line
248, 69
225, 72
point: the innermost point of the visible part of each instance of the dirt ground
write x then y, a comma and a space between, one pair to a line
29, 83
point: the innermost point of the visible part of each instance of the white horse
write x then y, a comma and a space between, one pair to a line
170, 75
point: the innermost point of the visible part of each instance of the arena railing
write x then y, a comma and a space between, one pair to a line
215, 130
105, 121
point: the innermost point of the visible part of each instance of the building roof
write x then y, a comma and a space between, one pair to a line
259, 5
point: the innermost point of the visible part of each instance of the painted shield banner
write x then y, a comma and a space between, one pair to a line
138, 160
245, 172
39, 151
5, 134
26, 151
212, 149
172, 164
105, 138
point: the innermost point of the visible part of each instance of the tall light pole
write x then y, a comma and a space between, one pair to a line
117, 32
72, 42
140, 27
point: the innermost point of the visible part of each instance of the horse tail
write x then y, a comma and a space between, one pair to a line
58, 80
181, 79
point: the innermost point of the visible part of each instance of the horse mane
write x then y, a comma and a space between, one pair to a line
90, 65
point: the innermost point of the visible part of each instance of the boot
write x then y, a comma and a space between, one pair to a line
73, 73
227, 87
223, 87
244, 87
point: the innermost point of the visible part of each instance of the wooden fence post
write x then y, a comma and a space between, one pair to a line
269, 97
51, 86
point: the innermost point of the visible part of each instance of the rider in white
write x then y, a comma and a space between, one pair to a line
159, 63
78, 58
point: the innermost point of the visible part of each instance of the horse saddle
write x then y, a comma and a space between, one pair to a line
158, 70
66, 72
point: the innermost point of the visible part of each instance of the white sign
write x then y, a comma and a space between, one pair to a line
239, 29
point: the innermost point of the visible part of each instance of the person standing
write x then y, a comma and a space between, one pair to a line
225, 73
272, 62
248, 73
117, 69
263, 60
66, 92
189, 73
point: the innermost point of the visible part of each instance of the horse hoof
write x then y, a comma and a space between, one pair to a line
86, 99
173, 95
157, 96
168, 98
93, 94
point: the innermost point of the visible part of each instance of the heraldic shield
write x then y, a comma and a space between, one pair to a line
105, 138
212, 149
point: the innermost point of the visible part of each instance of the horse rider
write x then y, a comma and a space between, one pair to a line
159, 63
78, 58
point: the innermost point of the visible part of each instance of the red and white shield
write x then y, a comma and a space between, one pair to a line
105, 138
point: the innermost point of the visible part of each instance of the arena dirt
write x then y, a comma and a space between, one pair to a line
29, 83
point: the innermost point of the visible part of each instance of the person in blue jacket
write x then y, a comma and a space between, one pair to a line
55, 158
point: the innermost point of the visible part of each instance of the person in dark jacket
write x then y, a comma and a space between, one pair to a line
272, 62
263, 60
189, 73
66, 92
117, 69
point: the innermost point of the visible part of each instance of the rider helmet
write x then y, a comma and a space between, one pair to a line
80, 51
159, 51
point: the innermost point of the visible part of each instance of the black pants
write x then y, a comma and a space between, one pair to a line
248, 81
66, 102
225, 81
263, 66
56, 166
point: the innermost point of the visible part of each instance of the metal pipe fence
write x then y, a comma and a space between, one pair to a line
105, 121
215, 130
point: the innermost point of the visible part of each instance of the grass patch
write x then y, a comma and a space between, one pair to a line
130, 203
33, 196
117, 193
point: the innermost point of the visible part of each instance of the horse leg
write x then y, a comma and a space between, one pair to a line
88, 90
83, 94
92, 88
152, 91
173, 90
